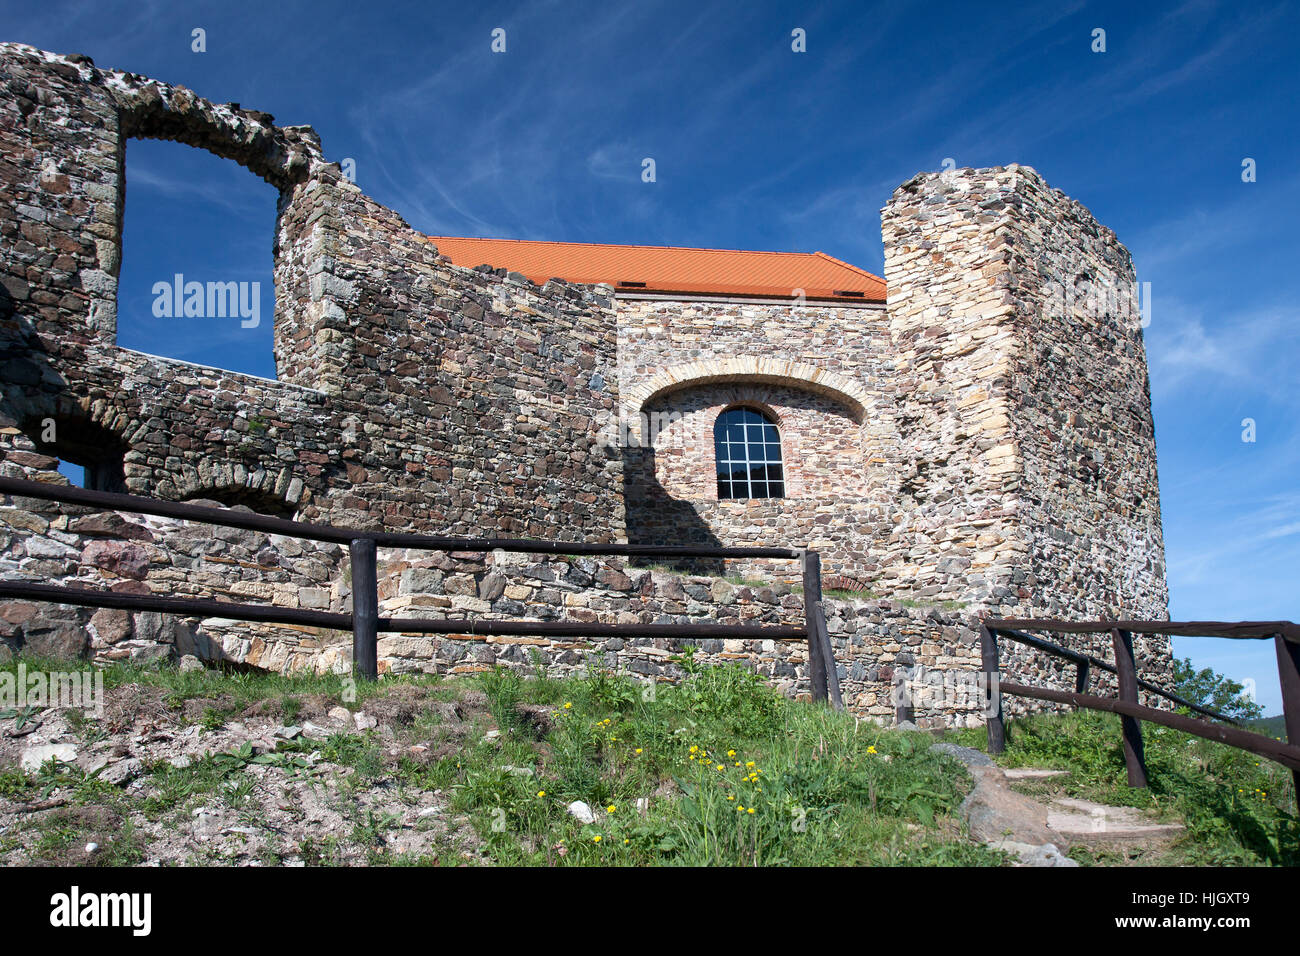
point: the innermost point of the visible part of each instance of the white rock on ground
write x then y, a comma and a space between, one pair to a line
582, 812
35, 756
123, 772
1046, 854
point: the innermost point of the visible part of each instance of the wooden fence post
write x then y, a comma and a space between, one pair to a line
1126, 674
1288, 672
365, 609
812, 596
993, 714
828, 655
824, 643
1081, 675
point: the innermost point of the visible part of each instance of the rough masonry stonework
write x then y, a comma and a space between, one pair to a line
981, 442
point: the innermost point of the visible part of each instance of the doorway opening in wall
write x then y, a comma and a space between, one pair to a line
90, 456
197, 281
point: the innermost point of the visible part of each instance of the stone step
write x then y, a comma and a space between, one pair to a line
1082, 821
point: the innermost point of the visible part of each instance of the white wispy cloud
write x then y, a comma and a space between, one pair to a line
1247, 351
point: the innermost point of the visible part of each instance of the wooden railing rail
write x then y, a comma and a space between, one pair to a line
365, 622
1285, 636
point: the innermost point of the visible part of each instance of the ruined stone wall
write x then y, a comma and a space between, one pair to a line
876, 642
413, 394
952, 328
127, 553
1083, 423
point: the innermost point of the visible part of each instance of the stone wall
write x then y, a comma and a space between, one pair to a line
876, 642
66, 545
820, 370
1029, 408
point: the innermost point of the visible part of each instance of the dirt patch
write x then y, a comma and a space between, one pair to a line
314, 707
271, 707
536, 719
60, 837
197, 708
400, 706
132, 704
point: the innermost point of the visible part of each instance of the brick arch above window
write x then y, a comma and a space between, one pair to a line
750, 368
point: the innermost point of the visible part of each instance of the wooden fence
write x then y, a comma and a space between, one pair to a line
365, 622
1284, 634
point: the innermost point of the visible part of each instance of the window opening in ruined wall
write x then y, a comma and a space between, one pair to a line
747, 446
197, 280
89, 456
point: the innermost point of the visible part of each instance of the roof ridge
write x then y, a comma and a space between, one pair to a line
849, 265
631, 245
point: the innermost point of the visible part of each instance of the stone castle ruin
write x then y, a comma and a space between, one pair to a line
971, 434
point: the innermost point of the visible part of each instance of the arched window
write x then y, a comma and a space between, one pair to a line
747, 446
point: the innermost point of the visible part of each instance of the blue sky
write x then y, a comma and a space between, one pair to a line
758, 147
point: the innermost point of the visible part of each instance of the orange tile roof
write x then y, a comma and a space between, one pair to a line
668, 269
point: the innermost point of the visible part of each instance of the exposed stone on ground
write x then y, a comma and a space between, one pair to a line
123, 772
1030, 855
580, 811
1083, 821
34, 757
967, 755
1006, 819
994, 812
290, 808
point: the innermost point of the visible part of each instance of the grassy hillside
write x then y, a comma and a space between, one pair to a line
727, 771
719, 770
1274, 727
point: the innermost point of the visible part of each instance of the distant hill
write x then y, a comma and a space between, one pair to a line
1272, 726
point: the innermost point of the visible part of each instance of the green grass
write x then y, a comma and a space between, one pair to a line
1239, 810
736, 775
